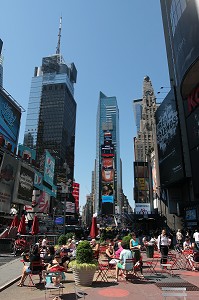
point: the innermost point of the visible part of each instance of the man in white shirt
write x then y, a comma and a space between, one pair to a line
196, 238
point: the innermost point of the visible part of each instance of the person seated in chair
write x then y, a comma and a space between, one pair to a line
122, 265
56, 265
34, 257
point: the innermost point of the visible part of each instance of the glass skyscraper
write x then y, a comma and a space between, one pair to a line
107, 123
51, 115
1, 64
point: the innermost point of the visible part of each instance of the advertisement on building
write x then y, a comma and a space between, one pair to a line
10, 116
142, 184
8, 172
38, 181
49, 168
107, 169
142, 208
40, 202
184, 38
107, 188
107, 150
169, 141
75, 194
26, 183
141, 180
26, 152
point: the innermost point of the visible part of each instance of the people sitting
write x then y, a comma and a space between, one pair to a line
119, 250
49, 256
57, 265
187, 244
33, 257
95, 247
122, 265
110, 253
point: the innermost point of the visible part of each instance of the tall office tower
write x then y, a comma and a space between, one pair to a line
144, 142
107, 167
51, 115
1, 64
137, 108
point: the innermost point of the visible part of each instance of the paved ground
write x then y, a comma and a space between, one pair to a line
137, 289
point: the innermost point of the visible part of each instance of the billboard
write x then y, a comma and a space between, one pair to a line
10, 116
40, 202
169, 141
107, 189
26, 152
38, 180
142, 208
8, 172
107, 169
49, 168
183, 27
26, 183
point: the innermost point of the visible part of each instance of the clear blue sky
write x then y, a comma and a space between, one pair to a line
113, 43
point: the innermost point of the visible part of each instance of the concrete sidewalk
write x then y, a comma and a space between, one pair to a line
10, 273
137, 289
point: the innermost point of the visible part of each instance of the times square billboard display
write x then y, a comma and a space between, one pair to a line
183, 27
10, 116
107, 175
169, 141
141, 180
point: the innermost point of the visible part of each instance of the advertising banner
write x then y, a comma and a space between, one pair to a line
107, 199
40, 203
26, 183
70, 207
107, 169
169, 141
107, 189
10, 116
142, 184
49, 168
38, 180
26, 151
185, 43
142, 208
8, 172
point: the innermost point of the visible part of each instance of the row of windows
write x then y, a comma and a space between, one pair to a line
177, 8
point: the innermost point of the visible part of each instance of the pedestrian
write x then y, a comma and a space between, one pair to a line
135, 246
196, 238
163, 245
179, 237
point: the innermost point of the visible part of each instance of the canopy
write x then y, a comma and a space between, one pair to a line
22, 225
94, 229
15, 222
35, 226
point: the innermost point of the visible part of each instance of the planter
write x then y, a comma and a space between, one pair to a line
83, 276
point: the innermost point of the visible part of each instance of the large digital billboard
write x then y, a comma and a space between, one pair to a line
182, 19
8, 172
141, 180
169, 141
26, 183
10, 116
49, 168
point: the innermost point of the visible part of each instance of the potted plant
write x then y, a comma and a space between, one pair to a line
84, 266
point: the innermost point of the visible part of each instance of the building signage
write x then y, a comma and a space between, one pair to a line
49, 168
26, 184
142, 208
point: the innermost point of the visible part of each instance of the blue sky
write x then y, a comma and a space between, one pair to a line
113, 43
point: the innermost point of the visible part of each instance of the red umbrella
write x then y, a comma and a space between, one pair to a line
94, 229
15, 222
35, 226
22, 225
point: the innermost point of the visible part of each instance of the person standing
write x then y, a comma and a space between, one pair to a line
196, 238
135, 247
163, 245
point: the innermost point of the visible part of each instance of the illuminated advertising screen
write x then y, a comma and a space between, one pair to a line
10, 116
107, 150
49, 168
8, 172
107, 208
107, 169
38, 180
107, 189
184, 21
169, 141
26, 183
142, 184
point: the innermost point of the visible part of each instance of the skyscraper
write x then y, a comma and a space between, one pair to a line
107, 152
51, 115
1, 64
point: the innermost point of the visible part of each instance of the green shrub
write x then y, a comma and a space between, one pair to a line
126, 240
69, 235
62, 240
84, 253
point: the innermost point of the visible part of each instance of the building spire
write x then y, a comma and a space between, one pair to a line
59, 37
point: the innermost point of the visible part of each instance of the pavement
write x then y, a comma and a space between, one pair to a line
141, 289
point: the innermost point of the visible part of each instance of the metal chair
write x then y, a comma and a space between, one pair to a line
50, 283
36, 268
79, 293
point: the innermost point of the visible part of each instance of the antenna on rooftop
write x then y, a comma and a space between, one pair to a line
59, 37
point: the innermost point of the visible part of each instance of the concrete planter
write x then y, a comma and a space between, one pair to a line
83, 276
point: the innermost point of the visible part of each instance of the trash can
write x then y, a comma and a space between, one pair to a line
149, 251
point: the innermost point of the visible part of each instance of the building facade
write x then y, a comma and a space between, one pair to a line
107, 143
51, 115
1, 64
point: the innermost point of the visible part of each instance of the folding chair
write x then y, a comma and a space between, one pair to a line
103, 268
36, 268
50, 282
151, 266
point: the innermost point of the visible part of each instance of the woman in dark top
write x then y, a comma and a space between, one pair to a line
34, 257
110, 252
49, 256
